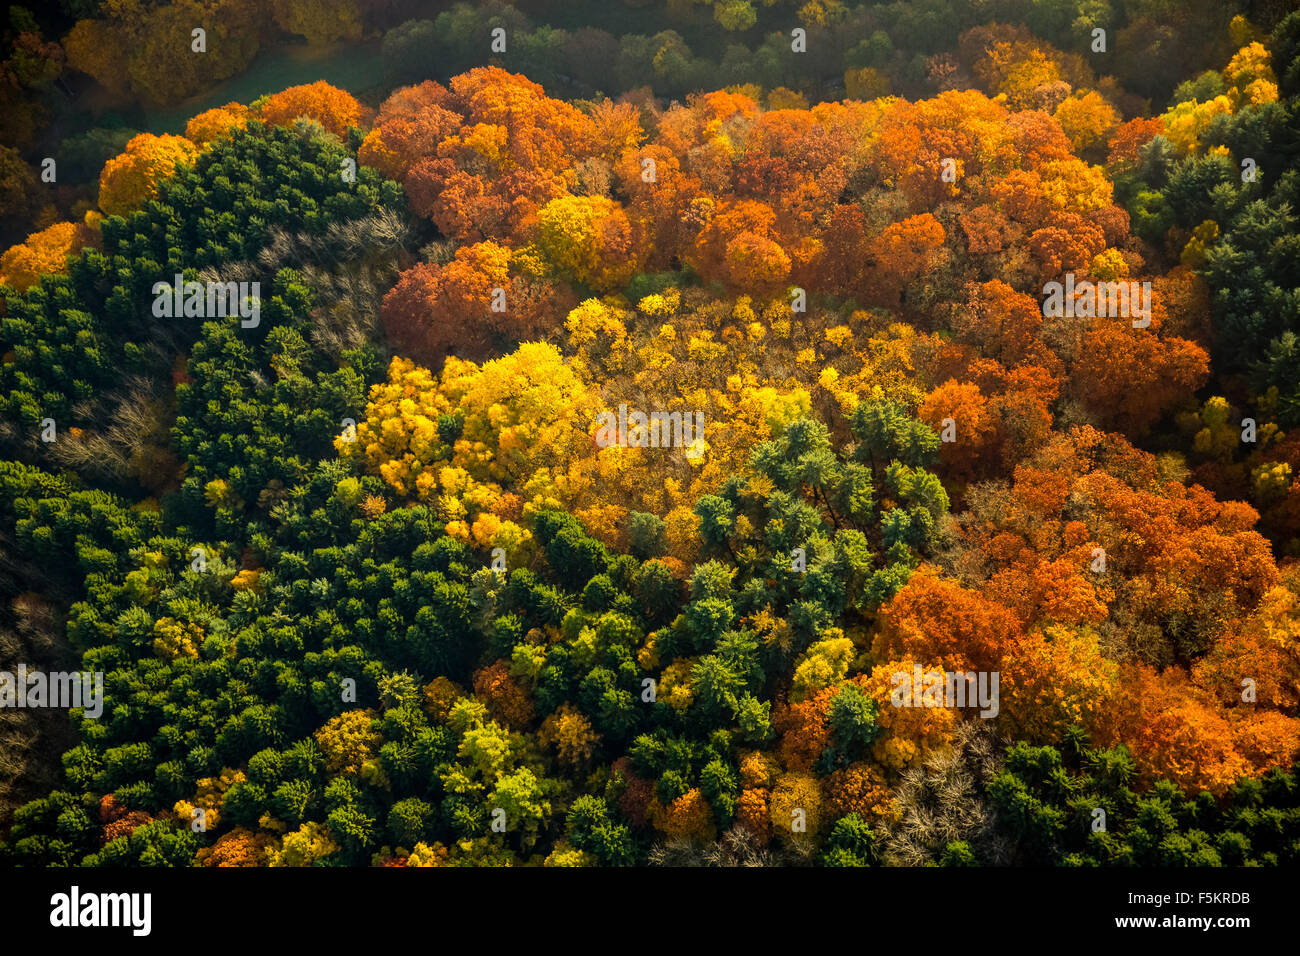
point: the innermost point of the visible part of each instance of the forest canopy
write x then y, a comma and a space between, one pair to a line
594, 439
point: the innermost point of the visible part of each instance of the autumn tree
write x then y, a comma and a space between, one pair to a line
133, 177
334, 109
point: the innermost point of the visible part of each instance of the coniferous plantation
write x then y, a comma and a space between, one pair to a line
694, 434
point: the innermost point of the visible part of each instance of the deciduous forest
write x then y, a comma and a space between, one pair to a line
624, 405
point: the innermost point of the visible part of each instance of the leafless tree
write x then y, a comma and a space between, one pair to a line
943, 802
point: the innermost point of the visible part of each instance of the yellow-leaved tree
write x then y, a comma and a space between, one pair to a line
487, 445
42, 253
318, 21
351, 744
588, 239
133, 177
216, 123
